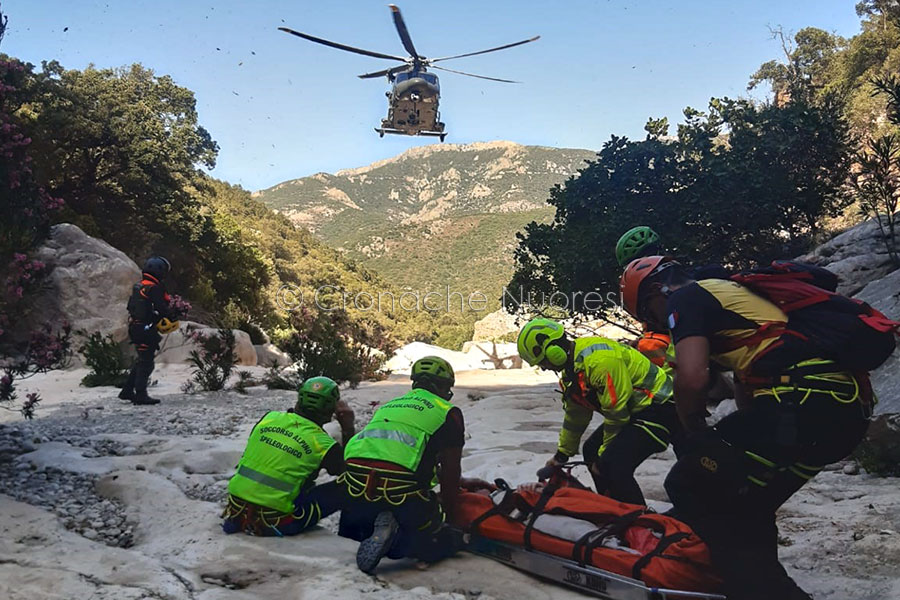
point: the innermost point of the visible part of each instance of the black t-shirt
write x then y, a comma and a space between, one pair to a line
452, 434
722, 310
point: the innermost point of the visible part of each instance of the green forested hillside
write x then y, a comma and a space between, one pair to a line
434, 216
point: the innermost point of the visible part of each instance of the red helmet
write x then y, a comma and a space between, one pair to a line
635, 273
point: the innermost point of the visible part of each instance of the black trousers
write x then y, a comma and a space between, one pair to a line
146, 343
650, 431
423, 534
728, 484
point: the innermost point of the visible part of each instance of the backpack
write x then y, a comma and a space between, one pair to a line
821, 322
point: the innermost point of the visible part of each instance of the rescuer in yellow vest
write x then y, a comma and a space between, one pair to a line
411, 443
273, 492
601, 375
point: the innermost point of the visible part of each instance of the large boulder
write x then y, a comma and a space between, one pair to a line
404, 357
857, 256
494, 326
176, 347
884, 295
89, 283
879, 452
269, 354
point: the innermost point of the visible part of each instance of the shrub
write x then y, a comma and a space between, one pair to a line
104, 357
331, 344
47, 350
277, 378
245, 380
212, 362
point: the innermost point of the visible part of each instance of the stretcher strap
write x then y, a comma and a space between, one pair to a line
583, 550
660, 548
537, 511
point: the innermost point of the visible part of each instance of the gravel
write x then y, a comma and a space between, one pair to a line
72, 497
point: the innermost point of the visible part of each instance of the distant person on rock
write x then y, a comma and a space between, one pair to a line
802, 406
148, 317
601, 375
411, 443
273, 492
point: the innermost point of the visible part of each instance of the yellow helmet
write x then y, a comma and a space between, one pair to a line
535, 342
166, 326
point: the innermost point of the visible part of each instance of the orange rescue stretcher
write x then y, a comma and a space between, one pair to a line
570, 535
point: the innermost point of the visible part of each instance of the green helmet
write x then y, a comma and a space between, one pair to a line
433, 367
317, 398
537, 337
637, 242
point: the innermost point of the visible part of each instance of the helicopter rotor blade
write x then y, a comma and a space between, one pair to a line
385, 72
312, 38
400, 24
434, 60
473, 75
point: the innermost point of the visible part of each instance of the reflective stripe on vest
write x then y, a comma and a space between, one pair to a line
283, 453
400, 430
590, 350
389, 434
664, 393
278, 484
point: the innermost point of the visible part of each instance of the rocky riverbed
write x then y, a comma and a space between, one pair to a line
104, 500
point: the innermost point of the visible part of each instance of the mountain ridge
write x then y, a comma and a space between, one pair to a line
433, 216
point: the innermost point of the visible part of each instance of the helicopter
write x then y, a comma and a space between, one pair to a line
415, 93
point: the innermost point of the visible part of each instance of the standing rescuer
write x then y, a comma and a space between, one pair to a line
635, 243
411, 443
273, 492
800, 410
148, 317
601, 375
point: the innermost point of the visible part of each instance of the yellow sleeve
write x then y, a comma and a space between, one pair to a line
607, 373
575, 422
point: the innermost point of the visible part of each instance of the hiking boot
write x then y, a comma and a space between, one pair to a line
144, 400
126, 394
376, 546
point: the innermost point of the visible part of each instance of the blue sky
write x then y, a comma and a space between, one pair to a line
281, 107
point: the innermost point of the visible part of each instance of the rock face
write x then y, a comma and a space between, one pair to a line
858, 256
267, 354
176, 347
89, 283
884, 295
880, 451
494, 326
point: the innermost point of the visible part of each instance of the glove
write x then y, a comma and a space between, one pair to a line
165, 326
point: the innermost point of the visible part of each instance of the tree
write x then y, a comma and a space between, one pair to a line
876, 181
739, 185
807, 65
120, 145
885, 11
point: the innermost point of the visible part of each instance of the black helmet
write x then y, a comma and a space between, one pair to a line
157, 266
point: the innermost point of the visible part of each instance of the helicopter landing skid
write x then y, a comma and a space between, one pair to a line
383, 130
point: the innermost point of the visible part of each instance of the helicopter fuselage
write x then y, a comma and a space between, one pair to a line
413, 105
